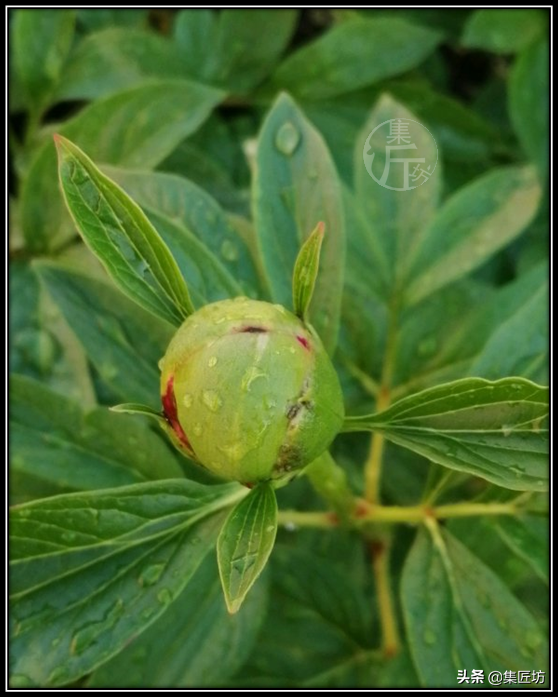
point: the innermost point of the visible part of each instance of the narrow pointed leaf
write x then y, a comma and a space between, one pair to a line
492, 430
121, 236
245, 543
306, 271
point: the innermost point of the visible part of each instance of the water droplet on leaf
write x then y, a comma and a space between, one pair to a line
287, 138
151, 574
164, 596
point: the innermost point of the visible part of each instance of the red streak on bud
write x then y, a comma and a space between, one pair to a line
169, 407
303, 342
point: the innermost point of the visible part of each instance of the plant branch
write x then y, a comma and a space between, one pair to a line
380, 554
303, 519
365, 514
373, 467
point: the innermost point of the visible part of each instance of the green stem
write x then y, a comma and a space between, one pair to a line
380, 554
307, 519
330, 482
373, 467
366, 514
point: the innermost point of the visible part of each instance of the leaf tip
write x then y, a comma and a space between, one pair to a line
233, 605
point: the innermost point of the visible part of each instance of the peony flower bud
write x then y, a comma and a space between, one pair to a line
249, 391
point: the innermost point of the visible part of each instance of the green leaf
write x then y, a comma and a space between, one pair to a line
208, 279
460, 616
502, 30
489, 429
189, 206
322, 634
115, 59
42, 345
391, 225
119, 233
239, 63
245, 543
529, 106
112, 330
56, 441
101, 18
220, 49
194, 36
527, 537
296, 185
471, 226
472, 330
306, 270
194, 643
124, 129
41, 42
502, 354
353, 54
91, 571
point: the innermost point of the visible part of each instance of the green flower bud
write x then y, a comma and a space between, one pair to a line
249, 391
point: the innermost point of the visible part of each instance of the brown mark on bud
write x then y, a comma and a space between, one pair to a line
252, 330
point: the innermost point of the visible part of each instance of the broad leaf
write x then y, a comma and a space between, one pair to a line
527, 537
208, 279
503, 30
56, 441
245, 543
221, 49
391, 224
115, 59
529, 105
124, 129
306, 271
460, 616
472, 329
471, 226
91, 571
122, 341
353, 54
295, 187
42, 39
100, 18
323, 635
42, 345
118, 232
190, 207
195, 643
492, 430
